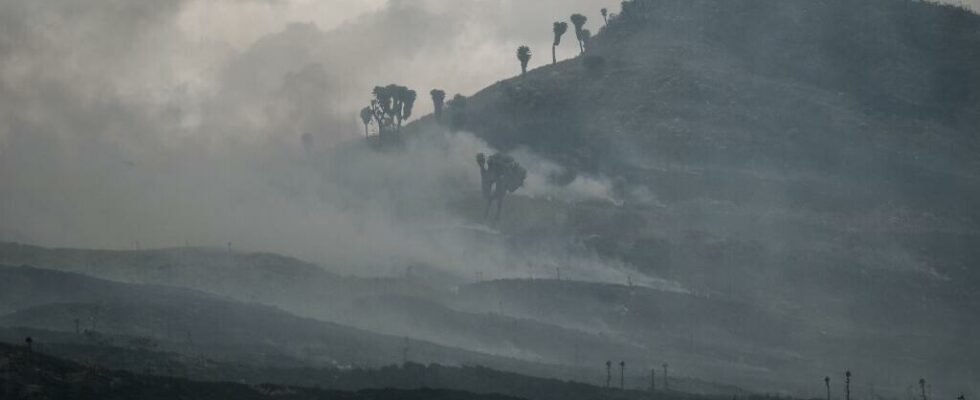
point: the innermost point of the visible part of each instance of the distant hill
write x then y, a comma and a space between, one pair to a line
192, 322
407, 306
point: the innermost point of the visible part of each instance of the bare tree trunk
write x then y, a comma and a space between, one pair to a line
554, 59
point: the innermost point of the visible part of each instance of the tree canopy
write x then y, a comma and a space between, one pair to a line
524, 55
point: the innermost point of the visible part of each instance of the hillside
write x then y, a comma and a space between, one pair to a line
775, 191
815, 162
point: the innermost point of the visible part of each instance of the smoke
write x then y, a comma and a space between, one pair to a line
180, 127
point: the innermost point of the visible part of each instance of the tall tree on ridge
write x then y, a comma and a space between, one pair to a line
605, 15
579, 21
407, 100
438, 100
524, 55
559, 29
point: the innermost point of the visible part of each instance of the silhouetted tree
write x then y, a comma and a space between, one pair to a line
847, 385
524, 55
366, 115
586, 36
559, 29
30, 344
405, 102
653, 379
438, 98
922, 387
666, 383
381, 109
605, 15
578, 20
826, 382
392, 105
500, 174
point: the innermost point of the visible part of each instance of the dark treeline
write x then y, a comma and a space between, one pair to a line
29, 375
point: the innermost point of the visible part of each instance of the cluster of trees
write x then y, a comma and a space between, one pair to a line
582, 36
390, 106
500, 174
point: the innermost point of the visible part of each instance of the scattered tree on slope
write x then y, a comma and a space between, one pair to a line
499, 174
524, 55
559, 29
579, 21
438, 99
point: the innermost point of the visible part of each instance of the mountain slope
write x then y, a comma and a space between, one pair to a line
816, 160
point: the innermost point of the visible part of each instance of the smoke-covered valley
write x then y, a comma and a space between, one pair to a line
757, 193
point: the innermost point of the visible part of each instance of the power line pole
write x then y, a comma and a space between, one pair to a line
847, 385
608, 373
653, 379
666, 382
622, 374
826, 382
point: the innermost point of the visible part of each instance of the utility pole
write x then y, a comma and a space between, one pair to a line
608, 373
666, 382
847, 385
405, 352
826, 382
622, 374
653, 379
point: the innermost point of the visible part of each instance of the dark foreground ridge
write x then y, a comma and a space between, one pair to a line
30, 375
